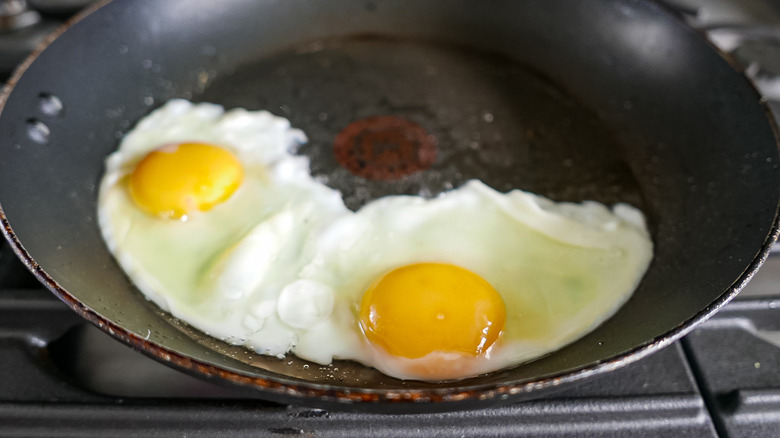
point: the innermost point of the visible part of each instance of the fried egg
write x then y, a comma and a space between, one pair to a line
215, 219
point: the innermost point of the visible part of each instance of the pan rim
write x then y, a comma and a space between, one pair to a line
449, 397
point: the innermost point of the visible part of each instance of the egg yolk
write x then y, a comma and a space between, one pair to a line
177, 180
423, 308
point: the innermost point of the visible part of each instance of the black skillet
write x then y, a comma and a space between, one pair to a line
598, 99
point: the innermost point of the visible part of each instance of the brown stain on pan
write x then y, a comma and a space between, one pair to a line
452, 397
384, 148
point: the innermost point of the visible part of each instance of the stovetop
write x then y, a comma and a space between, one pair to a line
60, 376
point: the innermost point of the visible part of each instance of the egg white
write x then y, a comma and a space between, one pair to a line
282, 265
174, 263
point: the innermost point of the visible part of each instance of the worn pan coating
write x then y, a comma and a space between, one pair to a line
597, 99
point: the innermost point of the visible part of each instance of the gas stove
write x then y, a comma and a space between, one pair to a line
60, 376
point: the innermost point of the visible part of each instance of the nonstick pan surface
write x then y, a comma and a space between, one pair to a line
616, 101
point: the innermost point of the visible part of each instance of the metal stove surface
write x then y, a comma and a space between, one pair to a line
60, 376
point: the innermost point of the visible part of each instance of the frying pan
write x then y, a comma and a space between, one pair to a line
609, 100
